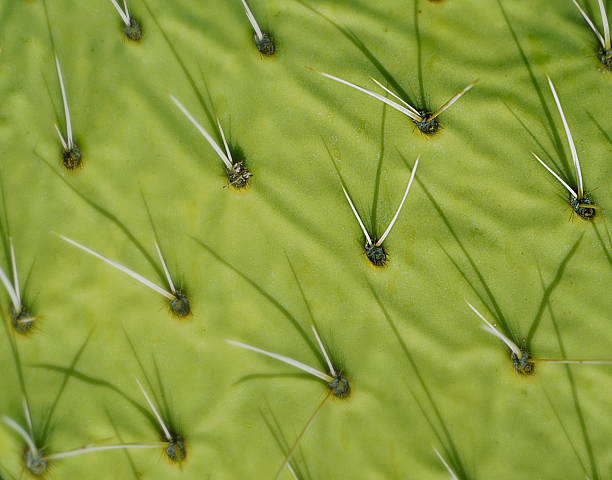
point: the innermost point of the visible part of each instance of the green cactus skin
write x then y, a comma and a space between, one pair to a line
483, 223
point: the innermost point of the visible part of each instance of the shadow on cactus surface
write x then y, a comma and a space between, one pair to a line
432, 396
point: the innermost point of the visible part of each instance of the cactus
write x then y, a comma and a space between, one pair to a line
364, 361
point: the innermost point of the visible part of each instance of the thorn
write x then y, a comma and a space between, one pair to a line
571, 190
365, 232
459, 94
392, 222
289, 361
570, 140
125, 15
252, 20
377, 96
69, 141
493, 331
155, 412
204, 133
118, 266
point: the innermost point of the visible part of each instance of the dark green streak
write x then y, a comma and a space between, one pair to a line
548, 290
449, 445
567, 434
495, 306
550, 158
355, 40
381, 155
208, 111
312, 319
5, 232
417, 31
552, 130
98, 383
333, 161
585, 434
265, 294
599, 127
276, 431
605, 248
113, 219
66, 377
126, 450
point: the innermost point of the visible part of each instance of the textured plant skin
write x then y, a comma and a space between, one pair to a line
483, 223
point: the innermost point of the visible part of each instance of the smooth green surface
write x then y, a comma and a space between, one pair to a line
506, 211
